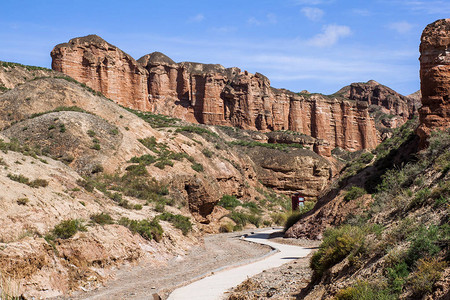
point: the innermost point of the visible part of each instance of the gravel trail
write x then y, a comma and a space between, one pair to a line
142, 281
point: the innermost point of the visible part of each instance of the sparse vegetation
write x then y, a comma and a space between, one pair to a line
156, 121
197, 130
353, 193
147, 229
181, 222
102, 219
251, 144
229, 202
197, 167
25, 180
66, 229
23, 201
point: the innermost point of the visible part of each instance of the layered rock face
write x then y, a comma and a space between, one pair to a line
104, 68
387, 99
434, 78
212, 94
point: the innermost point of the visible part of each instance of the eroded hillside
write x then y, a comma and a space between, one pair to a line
90, 185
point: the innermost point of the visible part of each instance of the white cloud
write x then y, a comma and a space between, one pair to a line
361, 12
253, 21
197, 18
223, 29
313, 13
401, 27
272, 18
330, 35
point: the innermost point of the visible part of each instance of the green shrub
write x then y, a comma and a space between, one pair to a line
25, 180
240, 219
156, 121
227, 227
38, 183
145, 159
96, 146
254, 208
102, 218
424, 243
197, 167
420, 197
279, 218
178, 221
353, 193
91, 133
22, 201
163, 163
364, 291
62, 128
68, 228
207, 153
229, 202
197, 130
337, 244
429, 270
145, 228
136, 170
397, 277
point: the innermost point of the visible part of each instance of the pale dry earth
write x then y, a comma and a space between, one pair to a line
142, 281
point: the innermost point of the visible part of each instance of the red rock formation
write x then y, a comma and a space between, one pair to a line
104, 68
434, 78
385, 98
212, 94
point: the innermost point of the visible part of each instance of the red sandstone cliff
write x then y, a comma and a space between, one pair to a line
212, 94
434, 78
104, 68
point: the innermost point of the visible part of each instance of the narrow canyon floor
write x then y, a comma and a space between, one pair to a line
217, 251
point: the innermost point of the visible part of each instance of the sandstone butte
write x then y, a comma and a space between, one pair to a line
434, 79
214, 95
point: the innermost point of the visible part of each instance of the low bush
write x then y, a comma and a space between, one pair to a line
279, 218
66, 229
22, 201
227, 227
353, 193
38, 183
197, 167
178, 221
25, 180
197, 130
147, 229
229, 202
102, 218
145, 159
337, 244
207, 153
429, 270
364, 291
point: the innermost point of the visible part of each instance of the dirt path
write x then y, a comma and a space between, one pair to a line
140, 282
216, 285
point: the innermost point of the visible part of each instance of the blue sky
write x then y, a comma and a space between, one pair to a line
317, 45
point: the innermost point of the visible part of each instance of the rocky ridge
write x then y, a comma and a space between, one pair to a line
70, 154
212, 94
434, 78
377, 218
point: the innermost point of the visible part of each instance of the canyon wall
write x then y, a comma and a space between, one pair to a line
434, 79
104, 68
212, 94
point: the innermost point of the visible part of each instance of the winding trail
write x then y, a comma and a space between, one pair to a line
216, 285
